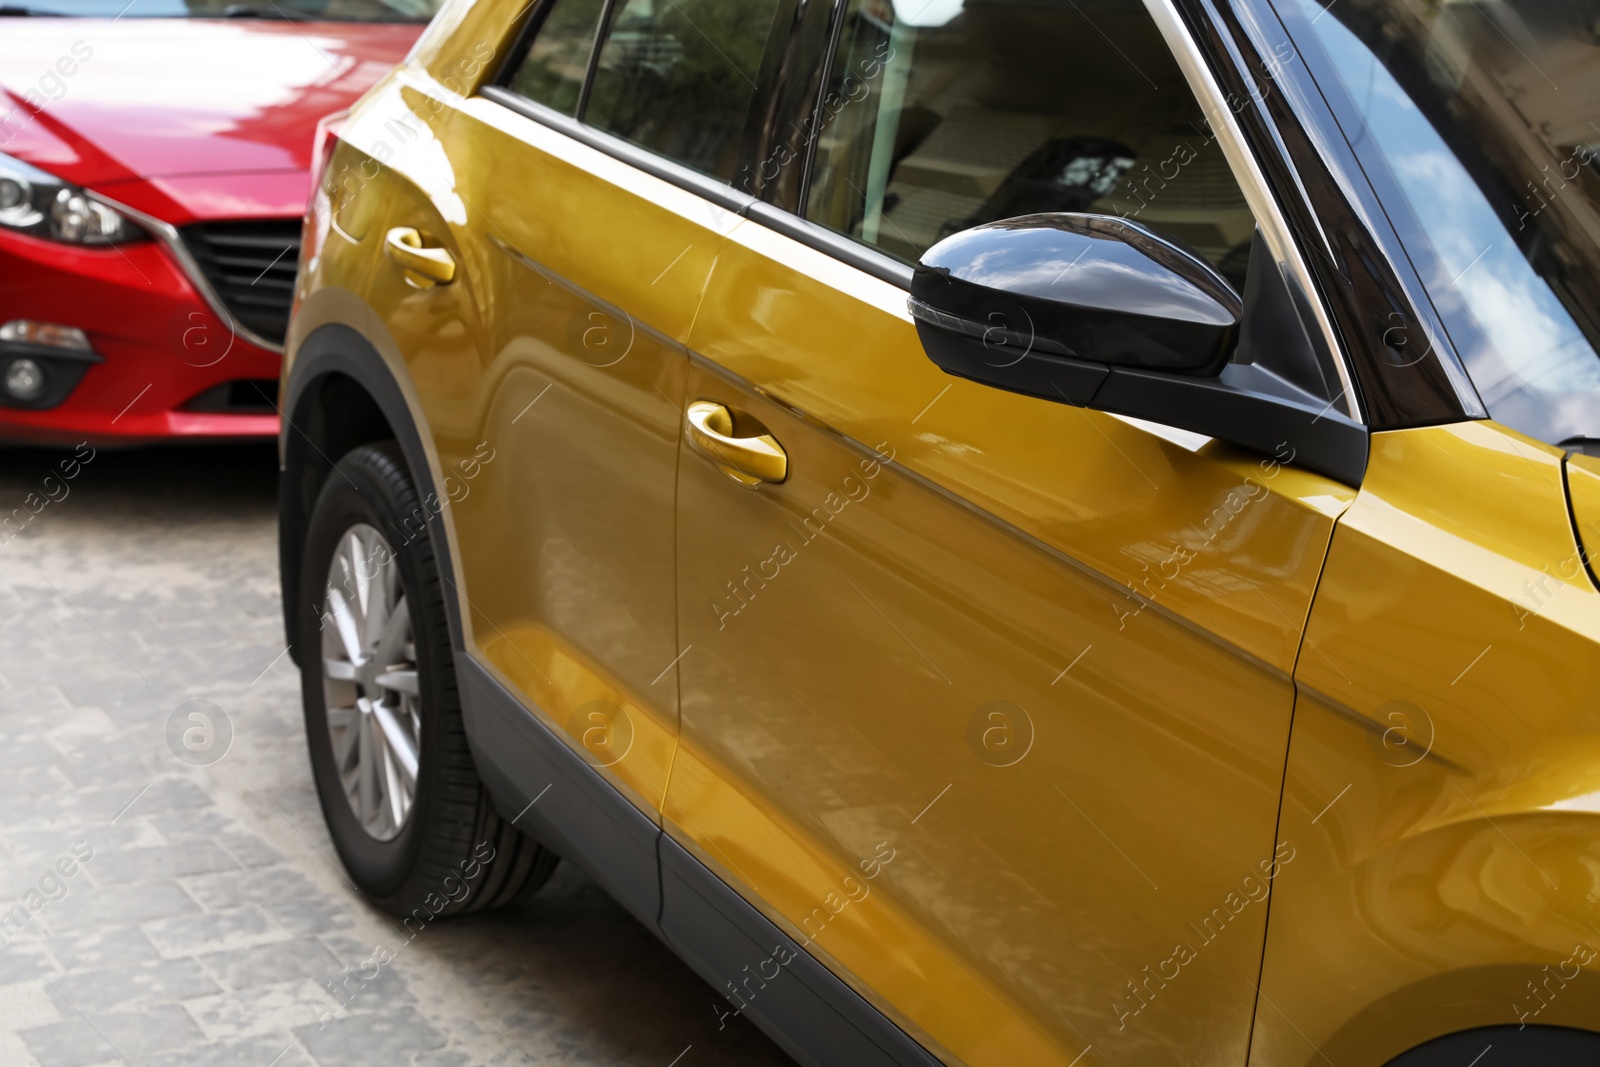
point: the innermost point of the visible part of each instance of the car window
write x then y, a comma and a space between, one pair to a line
1485, 120
678, 77
553, 70
943, 114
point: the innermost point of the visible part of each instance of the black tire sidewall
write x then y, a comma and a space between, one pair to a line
369, 486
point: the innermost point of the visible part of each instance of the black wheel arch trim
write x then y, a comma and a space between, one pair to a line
339, 349
1506, 1046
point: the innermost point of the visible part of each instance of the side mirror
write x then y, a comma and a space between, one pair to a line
1099, 312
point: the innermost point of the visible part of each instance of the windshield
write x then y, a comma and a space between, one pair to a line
294, 10
1486, 116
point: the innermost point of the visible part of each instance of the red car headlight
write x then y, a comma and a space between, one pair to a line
41, 205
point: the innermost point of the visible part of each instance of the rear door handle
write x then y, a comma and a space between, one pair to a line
424, 267
747, 460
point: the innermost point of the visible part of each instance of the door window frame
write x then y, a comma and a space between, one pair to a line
1283, 240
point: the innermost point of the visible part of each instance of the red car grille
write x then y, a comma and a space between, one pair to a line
252, 267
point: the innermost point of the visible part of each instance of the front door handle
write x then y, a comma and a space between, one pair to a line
424, 267
747, 460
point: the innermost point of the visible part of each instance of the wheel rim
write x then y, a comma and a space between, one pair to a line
369, 682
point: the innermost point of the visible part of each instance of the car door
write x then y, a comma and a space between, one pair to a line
985, 699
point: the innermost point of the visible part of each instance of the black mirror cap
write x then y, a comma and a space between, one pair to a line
1071, 287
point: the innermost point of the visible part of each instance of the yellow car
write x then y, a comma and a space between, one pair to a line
1008, 532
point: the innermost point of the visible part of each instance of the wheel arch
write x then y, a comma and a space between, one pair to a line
1547, 1046
341, 393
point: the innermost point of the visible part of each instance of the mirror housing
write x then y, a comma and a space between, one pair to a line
1097, 311
1088, 287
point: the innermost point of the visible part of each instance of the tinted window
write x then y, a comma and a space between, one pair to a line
552, 72
942, 114
1484, 118
678, 76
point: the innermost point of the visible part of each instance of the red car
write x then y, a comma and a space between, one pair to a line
154, 162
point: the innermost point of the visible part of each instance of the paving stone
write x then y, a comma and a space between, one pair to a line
24, 1005
136, 1034
14, 1051
279, 961
167, 794
117, 905
24, 958
262, 1051
233, 888
129, 984
28, 752
69, 1043
101, 947
180, 825
387, 1037
41, 848
104, 768
158, 864
248, 850
185, 935
365, 982
269, 1009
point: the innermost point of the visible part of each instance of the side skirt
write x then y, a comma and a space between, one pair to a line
761, 972
553, 795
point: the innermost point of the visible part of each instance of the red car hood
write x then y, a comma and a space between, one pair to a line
177, 98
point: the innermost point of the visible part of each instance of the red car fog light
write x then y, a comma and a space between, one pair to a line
24, 379
41, 362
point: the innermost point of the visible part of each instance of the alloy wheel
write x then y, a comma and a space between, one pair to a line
370, 683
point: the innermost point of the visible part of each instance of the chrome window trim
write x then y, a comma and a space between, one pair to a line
1253, 183
852, 253
169, 236
713, 190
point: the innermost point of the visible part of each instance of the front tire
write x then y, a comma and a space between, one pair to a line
412, 822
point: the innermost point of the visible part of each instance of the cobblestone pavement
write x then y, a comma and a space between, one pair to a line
153, 912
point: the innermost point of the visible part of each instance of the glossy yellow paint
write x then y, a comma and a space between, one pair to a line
987, 700
929, 640
550, 365
466, 41
1443, 788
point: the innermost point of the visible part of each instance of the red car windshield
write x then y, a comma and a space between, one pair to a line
290, 10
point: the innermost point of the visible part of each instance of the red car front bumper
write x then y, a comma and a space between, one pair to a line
167, 363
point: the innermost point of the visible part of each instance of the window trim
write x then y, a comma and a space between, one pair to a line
830, 57
863, 257
658, 166
577, 125
538, 14
1259, 193
608, 11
